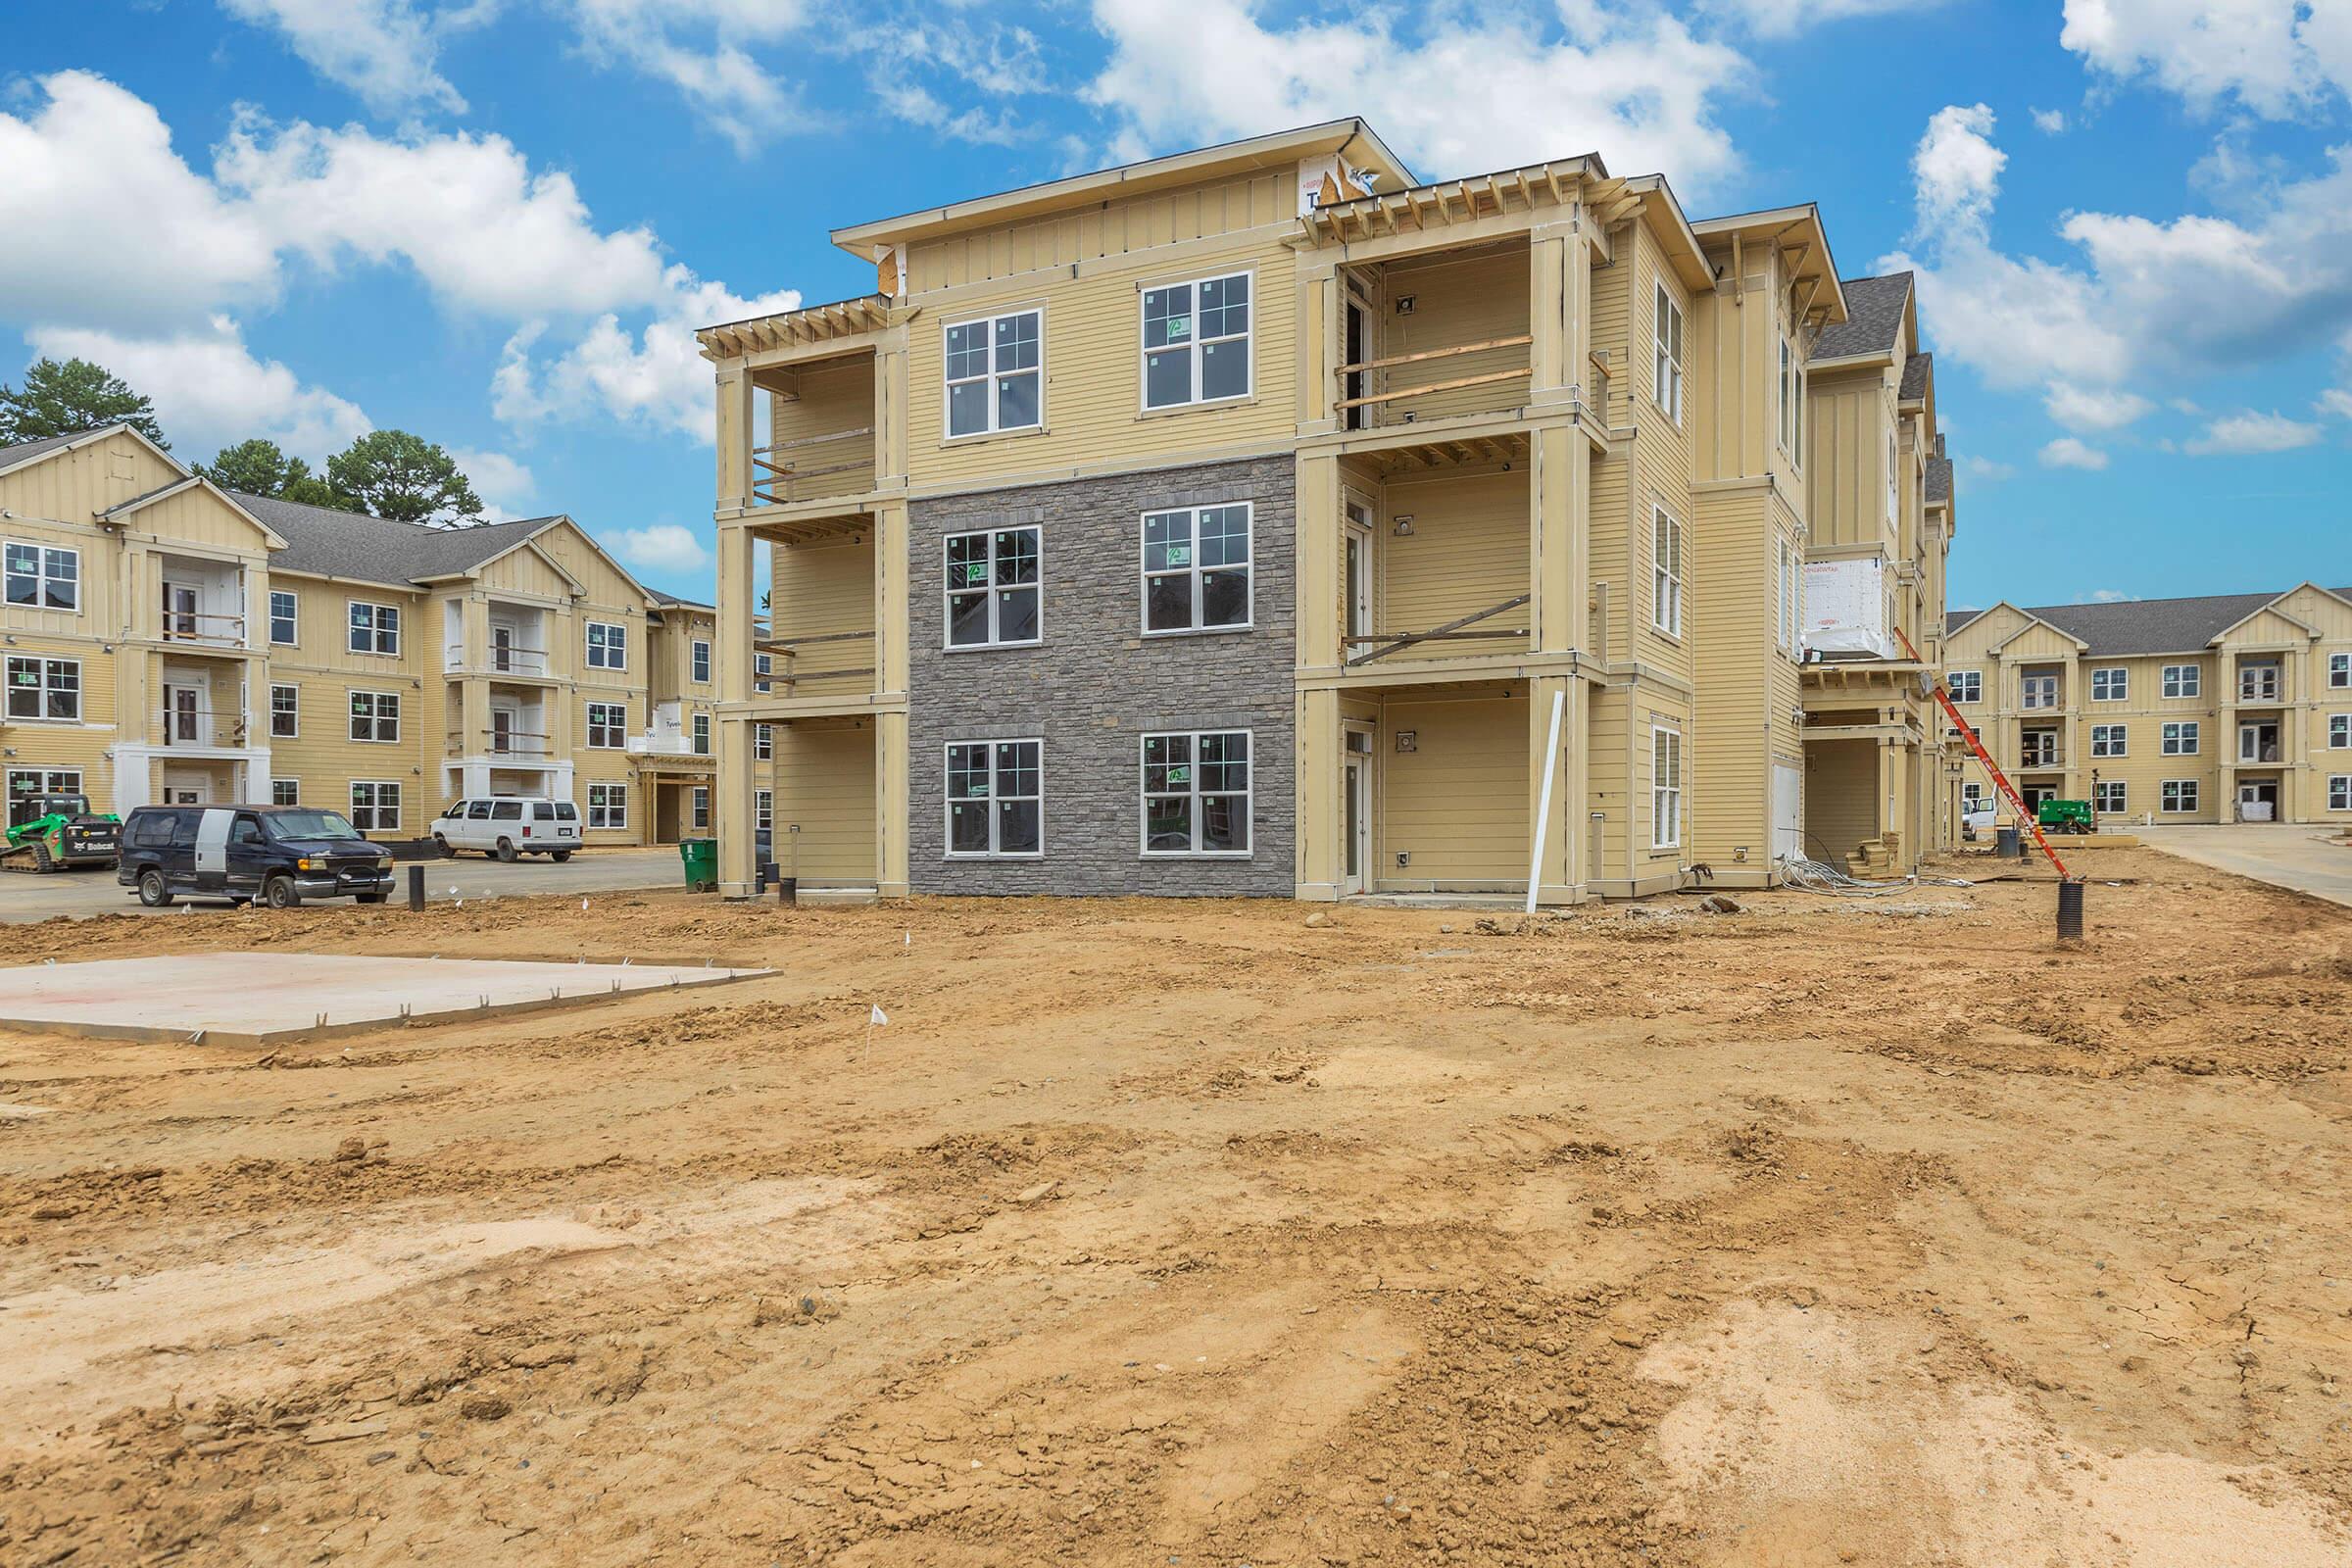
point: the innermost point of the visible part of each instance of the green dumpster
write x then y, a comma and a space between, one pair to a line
701, 860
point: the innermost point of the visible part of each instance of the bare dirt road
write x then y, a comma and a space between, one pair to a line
1199, 1233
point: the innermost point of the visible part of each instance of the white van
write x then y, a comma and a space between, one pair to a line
511, 825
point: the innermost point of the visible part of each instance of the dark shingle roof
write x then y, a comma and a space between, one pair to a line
1918, 370
27, 451
1953, 620
679, 601
1939, 479
1874, 312
2148, 625
351, 544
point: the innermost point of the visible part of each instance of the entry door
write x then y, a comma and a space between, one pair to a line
1359, 341
1357, 580
1787, 812
2258, 802
2258, 743
179, 610
1357, 809
502, 648
184, 715
502, 730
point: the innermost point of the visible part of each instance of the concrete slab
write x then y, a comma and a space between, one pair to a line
255, 999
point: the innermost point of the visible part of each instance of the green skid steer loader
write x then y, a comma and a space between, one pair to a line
60, 833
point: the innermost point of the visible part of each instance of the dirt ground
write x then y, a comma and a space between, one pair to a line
1164, 1233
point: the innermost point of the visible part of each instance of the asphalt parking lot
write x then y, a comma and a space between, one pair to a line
24, 897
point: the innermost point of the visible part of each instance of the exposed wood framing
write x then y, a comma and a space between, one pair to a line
815, 323
1443, 205
1433, 354
1434, 386
1451, 631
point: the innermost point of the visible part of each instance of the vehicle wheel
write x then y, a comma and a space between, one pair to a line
154, 891
558, 856
506, 851
441, 844
42, 861
280, 893
369, 898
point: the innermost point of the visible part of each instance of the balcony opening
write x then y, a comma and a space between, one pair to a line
202, 706
1435, 562
1434, 336
2260, 683
815, 632
815, 432
203, 602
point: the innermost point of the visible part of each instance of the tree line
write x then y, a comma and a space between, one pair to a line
385, 474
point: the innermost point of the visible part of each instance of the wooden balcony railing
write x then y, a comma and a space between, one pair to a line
792, 470
788, 649
204, 626
1363, 367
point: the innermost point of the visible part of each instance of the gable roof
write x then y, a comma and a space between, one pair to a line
24, 452
2136, 627
1954, 619
326, 543
670, 601
1918, 370
1874, 317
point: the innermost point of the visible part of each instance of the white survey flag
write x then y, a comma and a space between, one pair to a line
879, 1016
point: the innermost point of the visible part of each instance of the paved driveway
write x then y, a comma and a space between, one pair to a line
25, 896
2278, 853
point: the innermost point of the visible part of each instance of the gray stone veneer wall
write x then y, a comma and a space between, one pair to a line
1096, 683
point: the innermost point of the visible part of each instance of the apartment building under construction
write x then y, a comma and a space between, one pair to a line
1267, 519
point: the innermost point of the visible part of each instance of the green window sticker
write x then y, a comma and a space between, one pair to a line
1180, 775
1180, 555
975, 572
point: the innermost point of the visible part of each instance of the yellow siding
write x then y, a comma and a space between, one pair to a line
1458, 803
822, 590
1661, 460
815, 415
1841, 786
823, 776
1468, 551
1456, 301
1730, 544
1063, 240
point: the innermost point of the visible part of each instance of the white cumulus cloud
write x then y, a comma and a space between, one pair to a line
505, 484
2279, 58
2251, 431
2071, 451
211, 391
2093, 408
664, 547
386, 51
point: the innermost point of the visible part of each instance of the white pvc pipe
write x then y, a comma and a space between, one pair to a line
1551, 761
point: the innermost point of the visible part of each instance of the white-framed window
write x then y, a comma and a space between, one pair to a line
26, 782
1197, 341
608, 805
2040, 691
285, 792
2112, 797
697, 805
1666, 572
996, 374
1197, 569
2339, 792
2339, 671
992, 588
375, 716
1665, 787
608, 726
285, 617
375, 805
2109, 740
285, 712
2257, 683
1792, 404
43, 576
702, 662
43, 688
2179, 795
702, 734
764, 743
1967, 685
375, 628
2111, 684
1892, 458
2184, 680
995, 799
1972, 798
763, 669
763, 811
2180, 739
2037, 747
608, 644
1666, 371
1197, 793
2339, 731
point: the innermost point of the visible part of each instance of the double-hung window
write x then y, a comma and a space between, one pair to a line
1968, 685
996, 374
45, 688
2179, 795
608, 805
375, 716
2109, 740
1666, 370
1665, 788
1792, 404
2180, 740
702, 734
702, 662
1197, 341
992, 587
375, 805
2339, 792
2110, 685
763, 811
2184, 680
697, 805
2040, 691
375, 628
608, 726
1197, 569
2113, 799
1666, 572
996, 798
2339, 671
1197, 793
608, 644
2339, 731
285, 712
285, 617
764, 743
764, 666
43, 576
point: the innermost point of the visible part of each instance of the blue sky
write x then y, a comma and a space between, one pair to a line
496, 223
